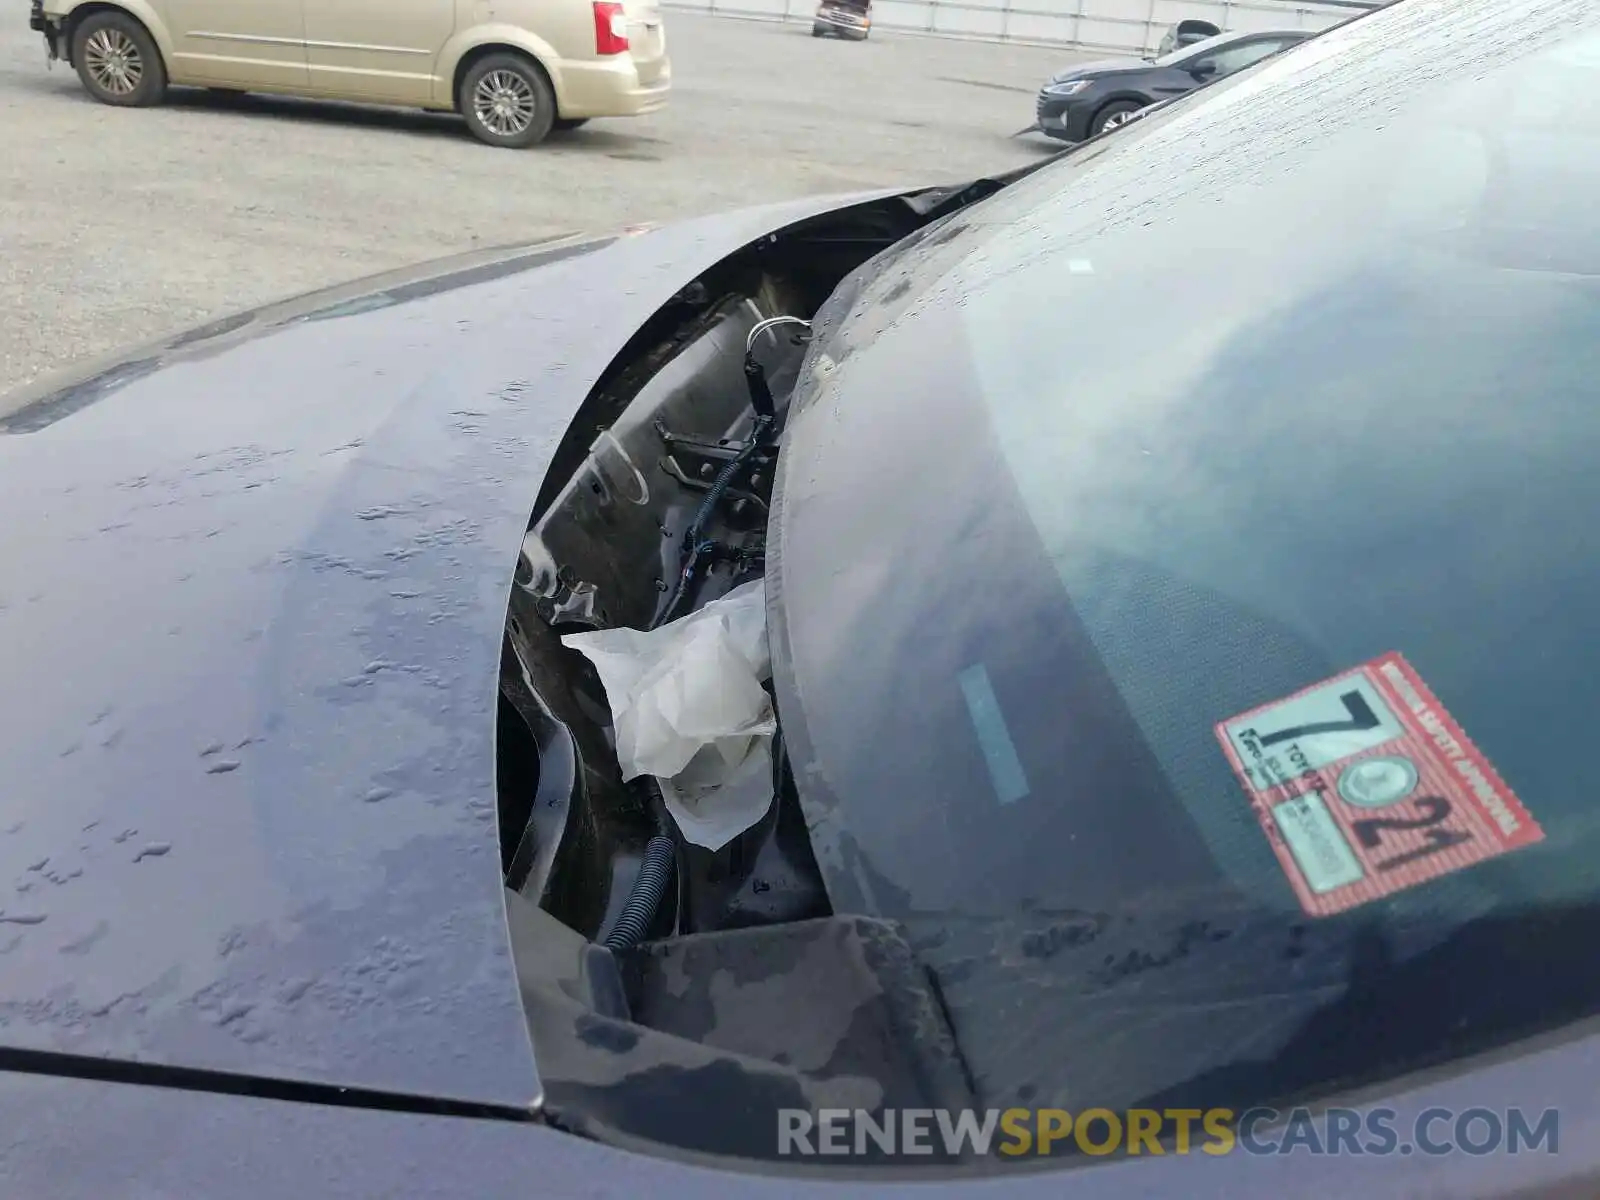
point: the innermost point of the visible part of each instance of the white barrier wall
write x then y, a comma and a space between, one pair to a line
1109, 26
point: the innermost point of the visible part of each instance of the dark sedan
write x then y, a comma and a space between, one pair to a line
1087, 99
1152, 601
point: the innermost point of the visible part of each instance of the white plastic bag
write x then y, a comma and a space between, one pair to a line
688, 707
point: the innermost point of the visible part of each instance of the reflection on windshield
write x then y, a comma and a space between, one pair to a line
1178, 56
1252, 396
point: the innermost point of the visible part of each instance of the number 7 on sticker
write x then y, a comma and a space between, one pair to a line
1329, 722
1361, 718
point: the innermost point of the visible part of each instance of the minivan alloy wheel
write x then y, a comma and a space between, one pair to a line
504, 102
114, 60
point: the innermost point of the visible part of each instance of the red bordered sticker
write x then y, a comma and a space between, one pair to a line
1365, 785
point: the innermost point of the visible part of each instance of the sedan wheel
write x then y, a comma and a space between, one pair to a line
507, 101
1114, 116
117, 60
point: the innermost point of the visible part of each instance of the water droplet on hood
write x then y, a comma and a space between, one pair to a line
234, 1012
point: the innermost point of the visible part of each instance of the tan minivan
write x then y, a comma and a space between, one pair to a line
515, 69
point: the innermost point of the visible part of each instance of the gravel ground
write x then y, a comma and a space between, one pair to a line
119, 226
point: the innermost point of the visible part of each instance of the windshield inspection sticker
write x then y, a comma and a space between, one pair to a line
1365, 785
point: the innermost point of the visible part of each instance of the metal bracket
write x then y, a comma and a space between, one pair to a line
695, 463
739, 498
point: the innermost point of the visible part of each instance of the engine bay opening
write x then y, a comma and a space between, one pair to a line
650, 963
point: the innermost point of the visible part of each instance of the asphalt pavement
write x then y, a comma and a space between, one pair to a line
118, 226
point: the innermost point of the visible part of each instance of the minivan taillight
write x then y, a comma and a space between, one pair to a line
610, 28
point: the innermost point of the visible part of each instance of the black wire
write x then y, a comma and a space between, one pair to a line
639, 913
724, 479
681, 587
694, 548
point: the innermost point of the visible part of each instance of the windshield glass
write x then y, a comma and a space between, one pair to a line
1292, 388
1194, 50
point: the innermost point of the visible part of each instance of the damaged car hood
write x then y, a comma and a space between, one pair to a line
251, 618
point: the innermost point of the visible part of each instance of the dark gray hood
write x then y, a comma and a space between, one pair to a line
251, 612
1100, 67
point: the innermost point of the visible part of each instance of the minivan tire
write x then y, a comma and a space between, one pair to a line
118, 61
507, 101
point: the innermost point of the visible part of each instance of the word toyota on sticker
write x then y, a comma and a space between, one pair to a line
1365, 785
